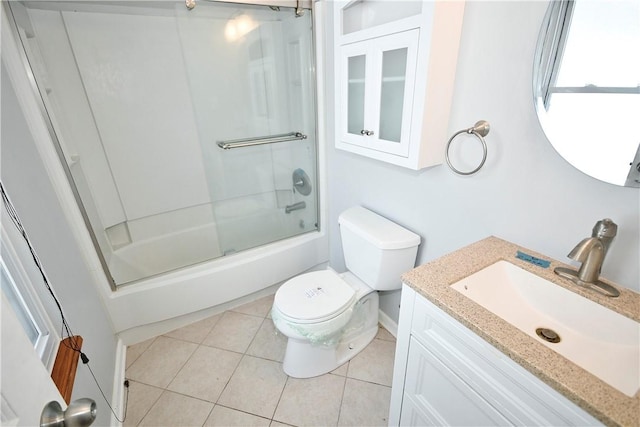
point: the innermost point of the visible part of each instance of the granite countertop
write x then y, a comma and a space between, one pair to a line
433, 280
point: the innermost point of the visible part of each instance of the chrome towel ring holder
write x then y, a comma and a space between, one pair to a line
480, 130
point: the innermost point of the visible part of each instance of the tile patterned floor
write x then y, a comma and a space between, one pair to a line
227, 371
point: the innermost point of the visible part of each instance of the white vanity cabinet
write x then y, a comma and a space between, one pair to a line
444, 374
395, 68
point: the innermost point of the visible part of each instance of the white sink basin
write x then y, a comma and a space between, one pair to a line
593, 337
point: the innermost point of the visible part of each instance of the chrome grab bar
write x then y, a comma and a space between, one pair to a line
260, 140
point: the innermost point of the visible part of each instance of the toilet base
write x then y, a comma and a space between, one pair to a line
305, 360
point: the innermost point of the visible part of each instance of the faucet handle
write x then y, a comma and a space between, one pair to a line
605, 228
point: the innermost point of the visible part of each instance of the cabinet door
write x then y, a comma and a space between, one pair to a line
441, 396
377, 92
443, 351
356, 64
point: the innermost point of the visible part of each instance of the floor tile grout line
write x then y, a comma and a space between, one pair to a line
275, 409
344, 387
243, 355
143, 351
250, 342
226, 384
182, 366
244, 412
150, 407
208, 415
186, 395
264, 319
165, 388
152, 404
249, 314
193, 342
261, 416
221, 349
254, 335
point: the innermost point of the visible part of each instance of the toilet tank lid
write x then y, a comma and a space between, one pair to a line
381, 232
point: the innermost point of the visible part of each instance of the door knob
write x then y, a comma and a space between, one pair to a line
79, 413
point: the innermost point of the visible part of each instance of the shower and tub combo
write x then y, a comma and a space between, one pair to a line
189, 137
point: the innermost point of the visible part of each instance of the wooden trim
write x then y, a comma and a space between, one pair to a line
66, 365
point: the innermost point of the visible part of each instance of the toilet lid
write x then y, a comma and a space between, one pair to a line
314, 296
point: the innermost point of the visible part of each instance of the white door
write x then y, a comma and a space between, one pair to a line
26, 385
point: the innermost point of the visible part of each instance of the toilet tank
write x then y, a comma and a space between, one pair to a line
375, 249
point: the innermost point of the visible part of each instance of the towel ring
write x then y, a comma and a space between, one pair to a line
480, 130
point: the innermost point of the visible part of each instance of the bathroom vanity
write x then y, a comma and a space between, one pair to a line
458, 363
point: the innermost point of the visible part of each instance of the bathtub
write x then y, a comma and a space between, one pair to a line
167, 252
158, 304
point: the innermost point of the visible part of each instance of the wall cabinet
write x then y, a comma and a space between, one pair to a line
445, 374
395, 69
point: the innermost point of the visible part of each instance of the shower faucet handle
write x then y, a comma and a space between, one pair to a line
301, 182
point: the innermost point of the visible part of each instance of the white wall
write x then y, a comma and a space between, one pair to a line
27, 183
526, 193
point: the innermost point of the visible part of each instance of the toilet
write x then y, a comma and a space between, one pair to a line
330, 317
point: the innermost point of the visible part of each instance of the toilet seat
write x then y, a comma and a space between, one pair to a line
314, 297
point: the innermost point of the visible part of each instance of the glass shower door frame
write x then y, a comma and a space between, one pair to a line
63, 157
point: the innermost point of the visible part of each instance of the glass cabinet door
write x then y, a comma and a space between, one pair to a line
377, 92
355, 93
392, 87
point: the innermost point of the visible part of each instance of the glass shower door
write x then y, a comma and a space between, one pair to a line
252, 86
141, 93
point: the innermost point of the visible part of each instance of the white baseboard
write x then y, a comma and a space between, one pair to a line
119, 391
388, 323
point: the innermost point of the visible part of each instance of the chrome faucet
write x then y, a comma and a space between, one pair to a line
294, 207
591, 253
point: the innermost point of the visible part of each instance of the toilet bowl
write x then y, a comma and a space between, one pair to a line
329, 317
325, 327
